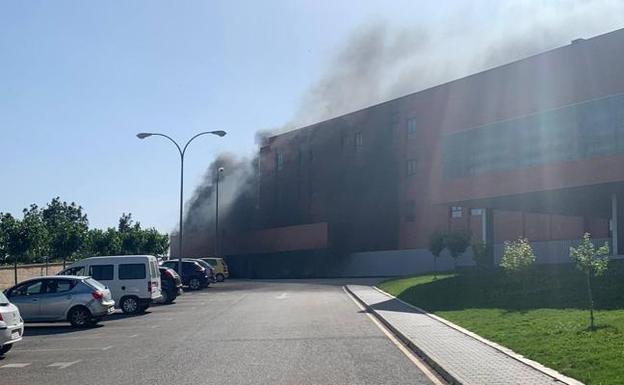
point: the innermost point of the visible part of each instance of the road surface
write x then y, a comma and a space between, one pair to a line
236, 332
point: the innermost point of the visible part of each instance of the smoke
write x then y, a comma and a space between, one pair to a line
380, 61
236, 177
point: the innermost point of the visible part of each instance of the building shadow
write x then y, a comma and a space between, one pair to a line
543, 287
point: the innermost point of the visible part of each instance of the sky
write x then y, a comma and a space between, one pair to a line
79, 79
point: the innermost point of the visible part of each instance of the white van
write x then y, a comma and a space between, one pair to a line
133, 280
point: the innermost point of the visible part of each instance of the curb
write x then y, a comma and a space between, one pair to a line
407, 342
447, 376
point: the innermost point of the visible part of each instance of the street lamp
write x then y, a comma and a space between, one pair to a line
182, 151
216, 246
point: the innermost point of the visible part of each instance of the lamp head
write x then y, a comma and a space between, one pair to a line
143, 135
219, 133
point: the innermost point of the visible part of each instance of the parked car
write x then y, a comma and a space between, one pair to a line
194, 276
209, 269
134, 280
11, 325
80, 300
171, 284
220, 268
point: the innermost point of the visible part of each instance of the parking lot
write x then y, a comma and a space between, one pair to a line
236, 332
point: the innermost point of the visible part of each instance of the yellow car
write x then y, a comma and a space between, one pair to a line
220, 268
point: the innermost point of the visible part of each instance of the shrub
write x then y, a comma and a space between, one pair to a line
517, 259
518, 256
483, 254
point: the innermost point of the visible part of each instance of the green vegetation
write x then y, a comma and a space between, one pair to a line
483, 254
547, 323
456, 242
436, 246
61, 232
593, 262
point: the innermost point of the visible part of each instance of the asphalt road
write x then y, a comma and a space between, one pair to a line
237, 332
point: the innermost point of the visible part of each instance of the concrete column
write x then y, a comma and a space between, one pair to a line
614, 225
487, 226
483, 226
487, 223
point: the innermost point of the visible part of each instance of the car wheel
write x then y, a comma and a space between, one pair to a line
170, 296
80, 317
129, 305
220, 277
194, 284
166, 298
5, 348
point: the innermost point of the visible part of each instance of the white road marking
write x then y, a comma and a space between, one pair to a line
282, 296
133, 336
412, 357
154, 326
63, 365
16, 365
95, 336
63, 349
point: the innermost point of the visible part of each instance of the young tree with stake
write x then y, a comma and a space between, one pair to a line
593, 262
436, 246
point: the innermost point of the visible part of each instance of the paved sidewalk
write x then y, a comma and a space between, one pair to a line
459, 357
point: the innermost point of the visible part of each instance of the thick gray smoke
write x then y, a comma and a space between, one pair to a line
235, 178
381, 62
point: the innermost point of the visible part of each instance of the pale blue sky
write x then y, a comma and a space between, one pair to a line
78, 80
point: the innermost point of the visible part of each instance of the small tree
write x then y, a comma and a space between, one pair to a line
457, 242
593, 262
517, 258
482, 254
436, 246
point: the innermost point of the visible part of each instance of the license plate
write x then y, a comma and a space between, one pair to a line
15, 335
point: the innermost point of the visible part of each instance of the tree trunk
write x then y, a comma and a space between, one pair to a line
435, 267
15, 268
591, 302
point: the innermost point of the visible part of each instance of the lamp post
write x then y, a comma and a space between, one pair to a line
181, 151
216, 247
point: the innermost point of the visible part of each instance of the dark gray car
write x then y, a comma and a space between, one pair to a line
82, 301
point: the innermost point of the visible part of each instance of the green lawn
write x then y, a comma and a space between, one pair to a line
545, 319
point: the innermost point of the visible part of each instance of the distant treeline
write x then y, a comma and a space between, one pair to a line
60, 231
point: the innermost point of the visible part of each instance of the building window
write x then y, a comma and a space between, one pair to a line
411, 166
476, 212
410, 211
457, 211
411, 127
279, 161
358, 140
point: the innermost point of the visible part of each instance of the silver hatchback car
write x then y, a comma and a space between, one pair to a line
82, 301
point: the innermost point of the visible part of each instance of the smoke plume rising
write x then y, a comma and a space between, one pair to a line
380, 61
